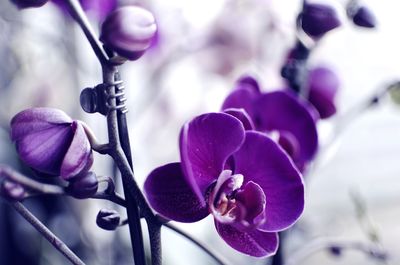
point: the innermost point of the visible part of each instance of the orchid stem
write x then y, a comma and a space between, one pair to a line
127, 180
14, 176
155, 243
46, 233
80, 17
207, 250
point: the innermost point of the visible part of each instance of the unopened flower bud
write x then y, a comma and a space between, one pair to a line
318, 19
29, 3
363, 17
84, 187
108, 219
50, 142
129, 31
12, 190
323, 86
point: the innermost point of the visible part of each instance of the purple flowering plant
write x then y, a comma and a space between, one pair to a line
243, 165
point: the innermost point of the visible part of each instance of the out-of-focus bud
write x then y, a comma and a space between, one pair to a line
318, 19
363, 17
12, 190
83, 187
29, 3
108, 219
323, 86
50, 142
129, 31
335, 251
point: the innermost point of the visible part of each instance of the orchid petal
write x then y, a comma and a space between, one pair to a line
171, 196
44, 150
251, 242
36, 119
282, 111
79, 157
262, 161
242, 115
206, 143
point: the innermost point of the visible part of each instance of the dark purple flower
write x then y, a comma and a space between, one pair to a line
282, 114
50, 142
323, 86
129, 31
363, 17
29, 3
318, 19
101, 8
243, 178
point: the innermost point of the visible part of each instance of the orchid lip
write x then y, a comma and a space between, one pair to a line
226, 202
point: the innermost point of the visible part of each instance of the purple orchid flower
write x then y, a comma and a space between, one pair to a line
281, 114
323, 86
243, 178
129, 31
318, 19
50, 142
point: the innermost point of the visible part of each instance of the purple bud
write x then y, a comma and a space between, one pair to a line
83, 187
108, 219
50, 142
129, 31
12, 190
323, 87
29, 3
363, 17
335, 250
318, 19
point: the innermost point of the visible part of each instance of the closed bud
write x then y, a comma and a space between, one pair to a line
83, 187
50, 142
323, 86
108, 219
129, 31
318, 19
29, 3
363, 17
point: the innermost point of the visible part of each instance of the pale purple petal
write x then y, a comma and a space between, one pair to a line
36, 119
44, 150
251, 242
242, 115
170, 195
283, 111
323, 86
79, 157
262, 161
206, 142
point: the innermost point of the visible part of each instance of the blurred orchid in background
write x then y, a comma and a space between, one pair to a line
282, 115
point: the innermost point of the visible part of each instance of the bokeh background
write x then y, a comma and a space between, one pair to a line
353, 189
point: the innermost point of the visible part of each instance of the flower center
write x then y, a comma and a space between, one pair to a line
232, 202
